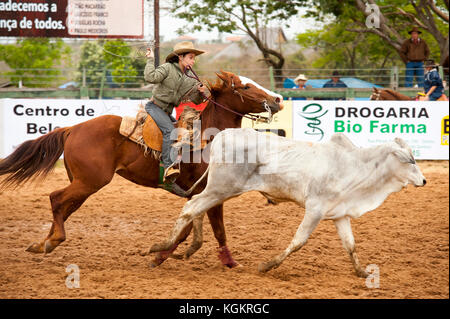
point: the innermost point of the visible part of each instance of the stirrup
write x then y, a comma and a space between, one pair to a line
171, 174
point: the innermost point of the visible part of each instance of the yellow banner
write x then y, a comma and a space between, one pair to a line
444, 130
281, 122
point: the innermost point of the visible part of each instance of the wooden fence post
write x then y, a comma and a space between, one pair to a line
272, 79
84, 93
394, 78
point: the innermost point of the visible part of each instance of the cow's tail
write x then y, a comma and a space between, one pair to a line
33, 158
198, 182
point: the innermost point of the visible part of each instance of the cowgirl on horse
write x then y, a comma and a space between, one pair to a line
171, 86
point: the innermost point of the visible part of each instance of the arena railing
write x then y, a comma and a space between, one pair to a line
98, 83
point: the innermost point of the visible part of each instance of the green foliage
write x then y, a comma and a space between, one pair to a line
226, 15
398, 14
348, 50
40, 54
92, 63
109, 61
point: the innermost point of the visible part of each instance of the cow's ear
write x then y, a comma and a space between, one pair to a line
401, 142
342, 140
404, 156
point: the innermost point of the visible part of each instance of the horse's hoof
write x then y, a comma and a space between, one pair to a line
48, 247
226, 258
233, 264
35, 248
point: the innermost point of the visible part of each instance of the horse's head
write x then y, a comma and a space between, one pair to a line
376, 94
389, 95
244, 95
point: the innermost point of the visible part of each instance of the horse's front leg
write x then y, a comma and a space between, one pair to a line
215, 216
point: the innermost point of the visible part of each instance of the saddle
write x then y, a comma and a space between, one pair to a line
144, 131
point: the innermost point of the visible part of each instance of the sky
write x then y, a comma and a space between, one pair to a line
169, 26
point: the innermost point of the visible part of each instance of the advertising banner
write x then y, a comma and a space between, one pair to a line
26, 119
423, 125
72, 18
281, 122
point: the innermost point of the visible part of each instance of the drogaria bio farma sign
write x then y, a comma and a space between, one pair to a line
423, 125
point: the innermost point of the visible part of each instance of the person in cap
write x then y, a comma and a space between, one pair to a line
433, 86
335, 81
300, 82
171, 86
413, 52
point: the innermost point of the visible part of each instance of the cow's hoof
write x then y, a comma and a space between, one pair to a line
158, 260
265, 267
177, 256
361, 273
159, 247
35, 248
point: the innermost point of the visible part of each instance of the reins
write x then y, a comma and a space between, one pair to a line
257, 118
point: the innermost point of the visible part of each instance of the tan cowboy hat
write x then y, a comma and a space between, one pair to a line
184, 47
430, 63
300, 77
415, 29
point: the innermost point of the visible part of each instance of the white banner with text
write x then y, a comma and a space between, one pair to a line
26, 119
423, 125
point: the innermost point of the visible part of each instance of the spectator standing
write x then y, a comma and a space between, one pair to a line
335, 81
413, 52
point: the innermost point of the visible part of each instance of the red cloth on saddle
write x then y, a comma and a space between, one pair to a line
198, 107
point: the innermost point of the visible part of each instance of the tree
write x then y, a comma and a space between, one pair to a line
34, 60
92, 64
395, 17
358, 52
108, 61
249, 16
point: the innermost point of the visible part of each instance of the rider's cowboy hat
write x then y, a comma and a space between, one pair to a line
430, 63
415, 29
300, 77
183, 47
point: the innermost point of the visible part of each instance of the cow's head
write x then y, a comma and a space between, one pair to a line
405, 167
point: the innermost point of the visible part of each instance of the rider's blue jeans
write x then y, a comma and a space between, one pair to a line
165, 123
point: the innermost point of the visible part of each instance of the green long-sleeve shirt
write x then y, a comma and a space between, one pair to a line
171, 85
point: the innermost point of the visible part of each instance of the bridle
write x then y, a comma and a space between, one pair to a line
257, 118
377, 96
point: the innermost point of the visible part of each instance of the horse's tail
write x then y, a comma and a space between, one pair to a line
197, 182
33, 158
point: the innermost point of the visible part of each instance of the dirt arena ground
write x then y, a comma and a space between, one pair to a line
407, 238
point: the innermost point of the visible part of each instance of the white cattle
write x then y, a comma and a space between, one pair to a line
333, 180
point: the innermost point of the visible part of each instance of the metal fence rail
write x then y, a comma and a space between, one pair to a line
101, 82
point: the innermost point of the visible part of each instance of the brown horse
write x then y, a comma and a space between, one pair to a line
95, 150
388, 94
